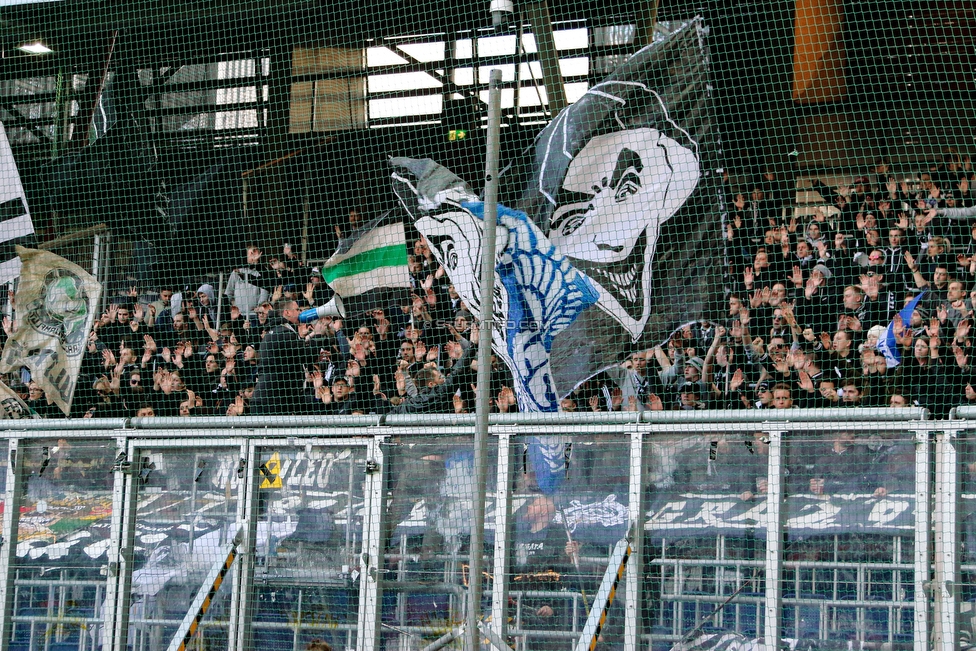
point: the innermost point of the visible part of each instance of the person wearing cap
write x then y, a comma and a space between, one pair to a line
690, 377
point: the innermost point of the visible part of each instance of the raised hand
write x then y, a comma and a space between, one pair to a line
962, 330
962, 359
757, 347
748, 277
594, 402
806, 383
737, 379
826, 341
736, 329
910, 261
756, 299
797, 276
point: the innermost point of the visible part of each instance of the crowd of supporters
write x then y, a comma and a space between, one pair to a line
807, 300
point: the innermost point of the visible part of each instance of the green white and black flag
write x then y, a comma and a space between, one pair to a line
626, 184
369, 267
56, 304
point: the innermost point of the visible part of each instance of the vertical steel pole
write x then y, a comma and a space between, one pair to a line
243, 596
117, 639
8, 551
635, 506
472, 637
118, 511
371, 563
922, 539
503, 518
946, 550
774, 543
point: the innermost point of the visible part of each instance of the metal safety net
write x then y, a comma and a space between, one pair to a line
267, 270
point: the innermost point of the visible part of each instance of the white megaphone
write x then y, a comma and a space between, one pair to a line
332, 308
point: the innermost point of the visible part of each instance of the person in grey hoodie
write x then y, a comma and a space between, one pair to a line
251, 284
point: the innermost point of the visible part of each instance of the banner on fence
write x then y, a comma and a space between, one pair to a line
688, 515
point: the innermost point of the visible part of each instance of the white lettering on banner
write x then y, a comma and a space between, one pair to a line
711, 512
308, 479
817, 515
756, 514
294, 472
887, 510
284, 473
668, 513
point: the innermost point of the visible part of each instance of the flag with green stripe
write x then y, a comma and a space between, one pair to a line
371, 262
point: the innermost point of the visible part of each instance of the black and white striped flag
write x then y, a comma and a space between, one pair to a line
16, 227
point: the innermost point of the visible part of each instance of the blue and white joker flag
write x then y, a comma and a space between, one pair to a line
887, 343
538, 293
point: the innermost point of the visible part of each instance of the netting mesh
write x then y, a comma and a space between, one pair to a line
763, 214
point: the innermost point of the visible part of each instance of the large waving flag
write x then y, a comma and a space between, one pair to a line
625, 183
538, 293
16, 227
56, 305
369, 267
887, 343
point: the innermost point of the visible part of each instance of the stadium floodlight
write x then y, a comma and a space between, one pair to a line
35, 47
501, 11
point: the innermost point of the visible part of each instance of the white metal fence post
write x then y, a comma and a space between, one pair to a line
239, 635
946, 631
8, 550
922, 539
118, 512
503, 517
371, 557
635, 506
774, 543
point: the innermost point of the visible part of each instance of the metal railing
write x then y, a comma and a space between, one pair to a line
115, 522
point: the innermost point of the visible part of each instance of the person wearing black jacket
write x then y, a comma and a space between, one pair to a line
437, 394
281, 369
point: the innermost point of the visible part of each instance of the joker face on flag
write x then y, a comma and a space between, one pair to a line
625, 183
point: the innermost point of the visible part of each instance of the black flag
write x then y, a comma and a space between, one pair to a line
625, 184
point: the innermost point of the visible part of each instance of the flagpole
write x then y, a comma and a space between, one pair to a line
471, 635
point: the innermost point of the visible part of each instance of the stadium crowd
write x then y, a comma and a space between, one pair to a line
807, 300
